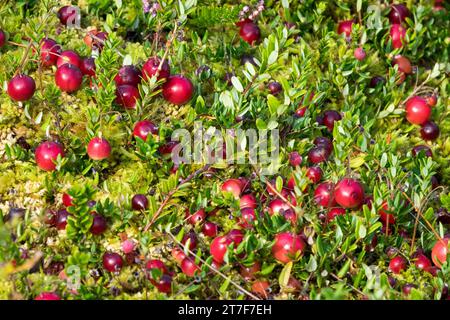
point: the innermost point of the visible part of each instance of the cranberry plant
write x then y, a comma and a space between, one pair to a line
353, 205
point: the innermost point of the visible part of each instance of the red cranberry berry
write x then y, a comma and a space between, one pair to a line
210, 229
233, 186
417, 110
47, 153
397, 264
69, 56
349, 193
329, 117
49, 52
127, 96
398, 13
47, 296
61, 219
287, 247
128, 74
314, 174
359, 54
295, 159
429, 131
143, 128
178, 89
250, 32
324, 194
397, 34
150, 68
318, 154
2, 38
139, 202
345, 27
274, 87
422, 149
68, 78
68, 14
99, 224
333, 212
112, 262
440, 252
21, 87
189, 267
219, 247
87, 66
98, 148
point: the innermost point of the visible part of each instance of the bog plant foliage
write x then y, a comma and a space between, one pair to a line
72, 227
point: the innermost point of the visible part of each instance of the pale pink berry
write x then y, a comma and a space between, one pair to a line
360, 54
128, 246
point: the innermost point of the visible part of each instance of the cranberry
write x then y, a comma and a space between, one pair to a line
314, 174
422, 262
49, 51
300, 112
407, 288
329, 117
178, 89
261, 288
68, 78
197, 217
67, 14
440, 252
248, 201
47, 296
278, 206
61, 219
150, 68
417, 110
191, 238
324, 194
189, 267
385, 215
112, 262
236, 236
333, 212
274, 87
295, 159
318, 154
431, 100
248, 273
376, 80
164, 284
178, 255
250, 32
2, 38
287, 247
397, 34
87, 66
99, 224
126, 96
349, 193
345, 27
398, 13
219, 247
210, 229
139, 202
143, 128
70, 57
98, 148
359, 54
128, 74
248, 216
422, 148
47, 153
429, 131
324, 142
403, 64
167, 148
397, 264
233, 186
21, 87
153, 264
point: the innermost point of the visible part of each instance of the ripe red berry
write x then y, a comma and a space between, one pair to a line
274, 87
143, 128
112, 262
431, 100
178, 89
126, 96
61, 219
300, 112
386, 215
47, 296
422, 148
167, 148
314, 174
210, 229
349, 193
287, 247
261, 288
98, 148
329, 117
139, 202
2, 38
67, 14
197, 217
295, 159
398, 13
155, 264
359, 54
49, 52
345, 27
47, 153
178, 255
218, 248
333, 212
128, 74
278, 206
190, 240
324, 142
429, 131
248, 216
21, 87
248, 273
248, 201
404, 65
236, 236
87, 66
397, 264
233, 186
250, 32
164, 283
397, 34
324, 194
67, 200
417, 110
69, 56
150, 68
189, 267
422, 262
99, 224
68, 78
440, 252
318, 154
